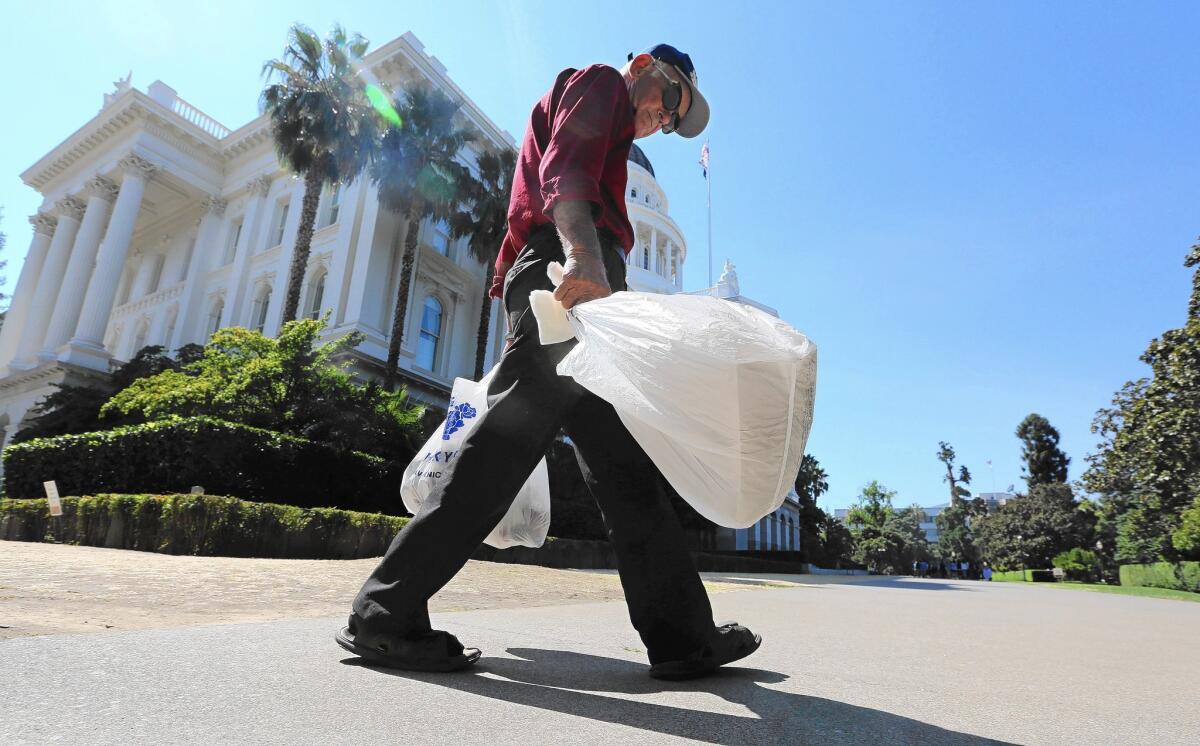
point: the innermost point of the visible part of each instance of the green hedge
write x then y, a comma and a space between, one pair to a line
202, 525
226, 458
1181, 576
1025, 576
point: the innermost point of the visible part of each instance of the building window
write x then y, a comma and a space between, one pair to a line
258, 313
431, 332
139, 339
633, 193
646, 257
316, 295
214, 317
155, 274
281, 213
662, 263
439, 237
333, 205
235, 235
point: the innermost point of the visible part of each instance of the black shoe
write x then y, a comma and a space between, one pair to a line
732, 642
427, 651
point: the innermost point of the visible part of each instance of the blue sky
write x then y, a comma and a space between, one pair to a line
976, 212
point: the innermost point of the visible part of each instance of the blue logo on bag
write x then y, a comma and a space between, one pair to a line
456, 417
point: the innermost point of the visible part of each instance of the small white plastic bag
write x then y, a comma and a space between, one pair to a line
719, 394
528, 519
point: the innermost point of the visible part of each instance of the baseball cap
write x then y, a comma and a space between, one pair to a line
697, 117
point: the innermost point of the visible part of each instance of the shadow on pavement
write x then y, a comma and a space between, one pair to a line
550, 680
907, 583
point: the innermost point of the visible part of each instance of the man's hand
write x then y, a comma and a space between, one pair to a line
584, 276
584, 279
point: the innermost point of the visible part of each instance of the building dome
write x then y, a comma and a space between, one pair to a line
637, 156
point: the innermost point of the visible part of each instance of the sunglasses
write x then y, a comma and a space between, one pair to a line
672, 97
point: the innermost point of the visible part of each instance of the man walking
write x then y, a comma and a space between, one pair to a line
568, 205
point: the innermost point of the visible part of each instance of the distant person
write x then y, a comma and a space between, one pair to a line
568, 206
987, 573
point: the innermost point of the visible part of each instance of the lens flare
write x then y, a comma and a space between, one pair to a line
380, 101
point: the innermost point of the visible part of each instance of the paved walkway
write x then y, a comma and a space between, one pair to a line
884, 661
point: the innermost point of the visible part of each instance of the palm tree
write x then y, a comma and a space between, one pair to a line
418, 175
323, 125
484, 222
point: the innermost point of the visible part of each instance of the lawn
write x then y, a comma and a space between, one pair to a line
1124, 590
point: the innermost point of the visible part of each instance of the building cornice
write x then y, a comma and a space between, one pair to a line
125, 111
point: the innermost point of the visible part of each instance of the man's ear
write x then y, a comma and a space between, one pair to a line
639, 64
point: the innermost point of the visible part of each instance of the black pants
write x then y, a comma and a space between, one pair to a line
528, 404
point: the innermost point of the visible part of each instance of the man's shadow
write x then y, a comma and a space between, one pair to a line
551, 680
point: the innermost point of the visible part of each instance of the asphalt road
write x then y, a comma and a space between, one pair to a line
885, 661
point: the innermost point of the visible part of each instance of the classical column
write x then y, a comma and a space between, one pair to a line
41, 306
18, 311
257, 189
653, 263
203, 255
87, 345
100, 193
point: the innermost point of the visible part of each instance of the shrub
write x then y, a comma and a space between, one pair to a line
1011, 576
202, 525
224, 457
1180, 576
1078, 564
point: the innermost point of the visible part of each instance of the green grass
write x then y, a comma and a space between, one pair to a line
1125, 590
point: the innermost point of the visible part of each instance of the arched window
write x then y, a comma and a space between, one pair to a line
633, 193
258, 313
316, 295
431, 333
214, 317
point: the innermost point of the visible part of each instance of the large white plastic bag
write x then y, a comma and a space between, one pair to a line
719, 394
528, 519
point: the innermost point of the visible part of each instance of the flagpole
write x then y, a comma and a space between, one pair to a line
708, 179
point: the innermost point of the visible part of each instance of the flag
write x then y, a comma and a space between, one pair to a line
704, 158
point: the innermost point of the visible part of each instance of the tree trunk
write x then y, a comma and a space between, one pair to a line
406, 268
485, 316
308, 219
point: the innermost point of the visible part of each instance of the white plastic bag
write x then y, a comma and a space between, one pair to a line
527, 520
719, 394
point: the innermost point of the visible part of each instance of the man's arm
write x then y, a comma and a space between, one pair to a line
584, 276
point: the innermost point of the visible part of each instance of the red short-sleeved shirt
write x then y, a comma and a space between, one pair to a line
575, 148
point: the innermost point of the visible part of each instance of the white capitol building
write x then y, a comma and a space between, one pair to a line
159, 225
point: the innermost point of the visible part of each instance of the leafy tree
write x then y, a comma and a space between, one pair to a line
1030, 530
284, 384
323, 125
957, 484
811, 483
886, 541
837, 542
76, 409
419, 175
484, 221
1146, 469
956, 537
1044, 460
1186, 538
1078, 563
